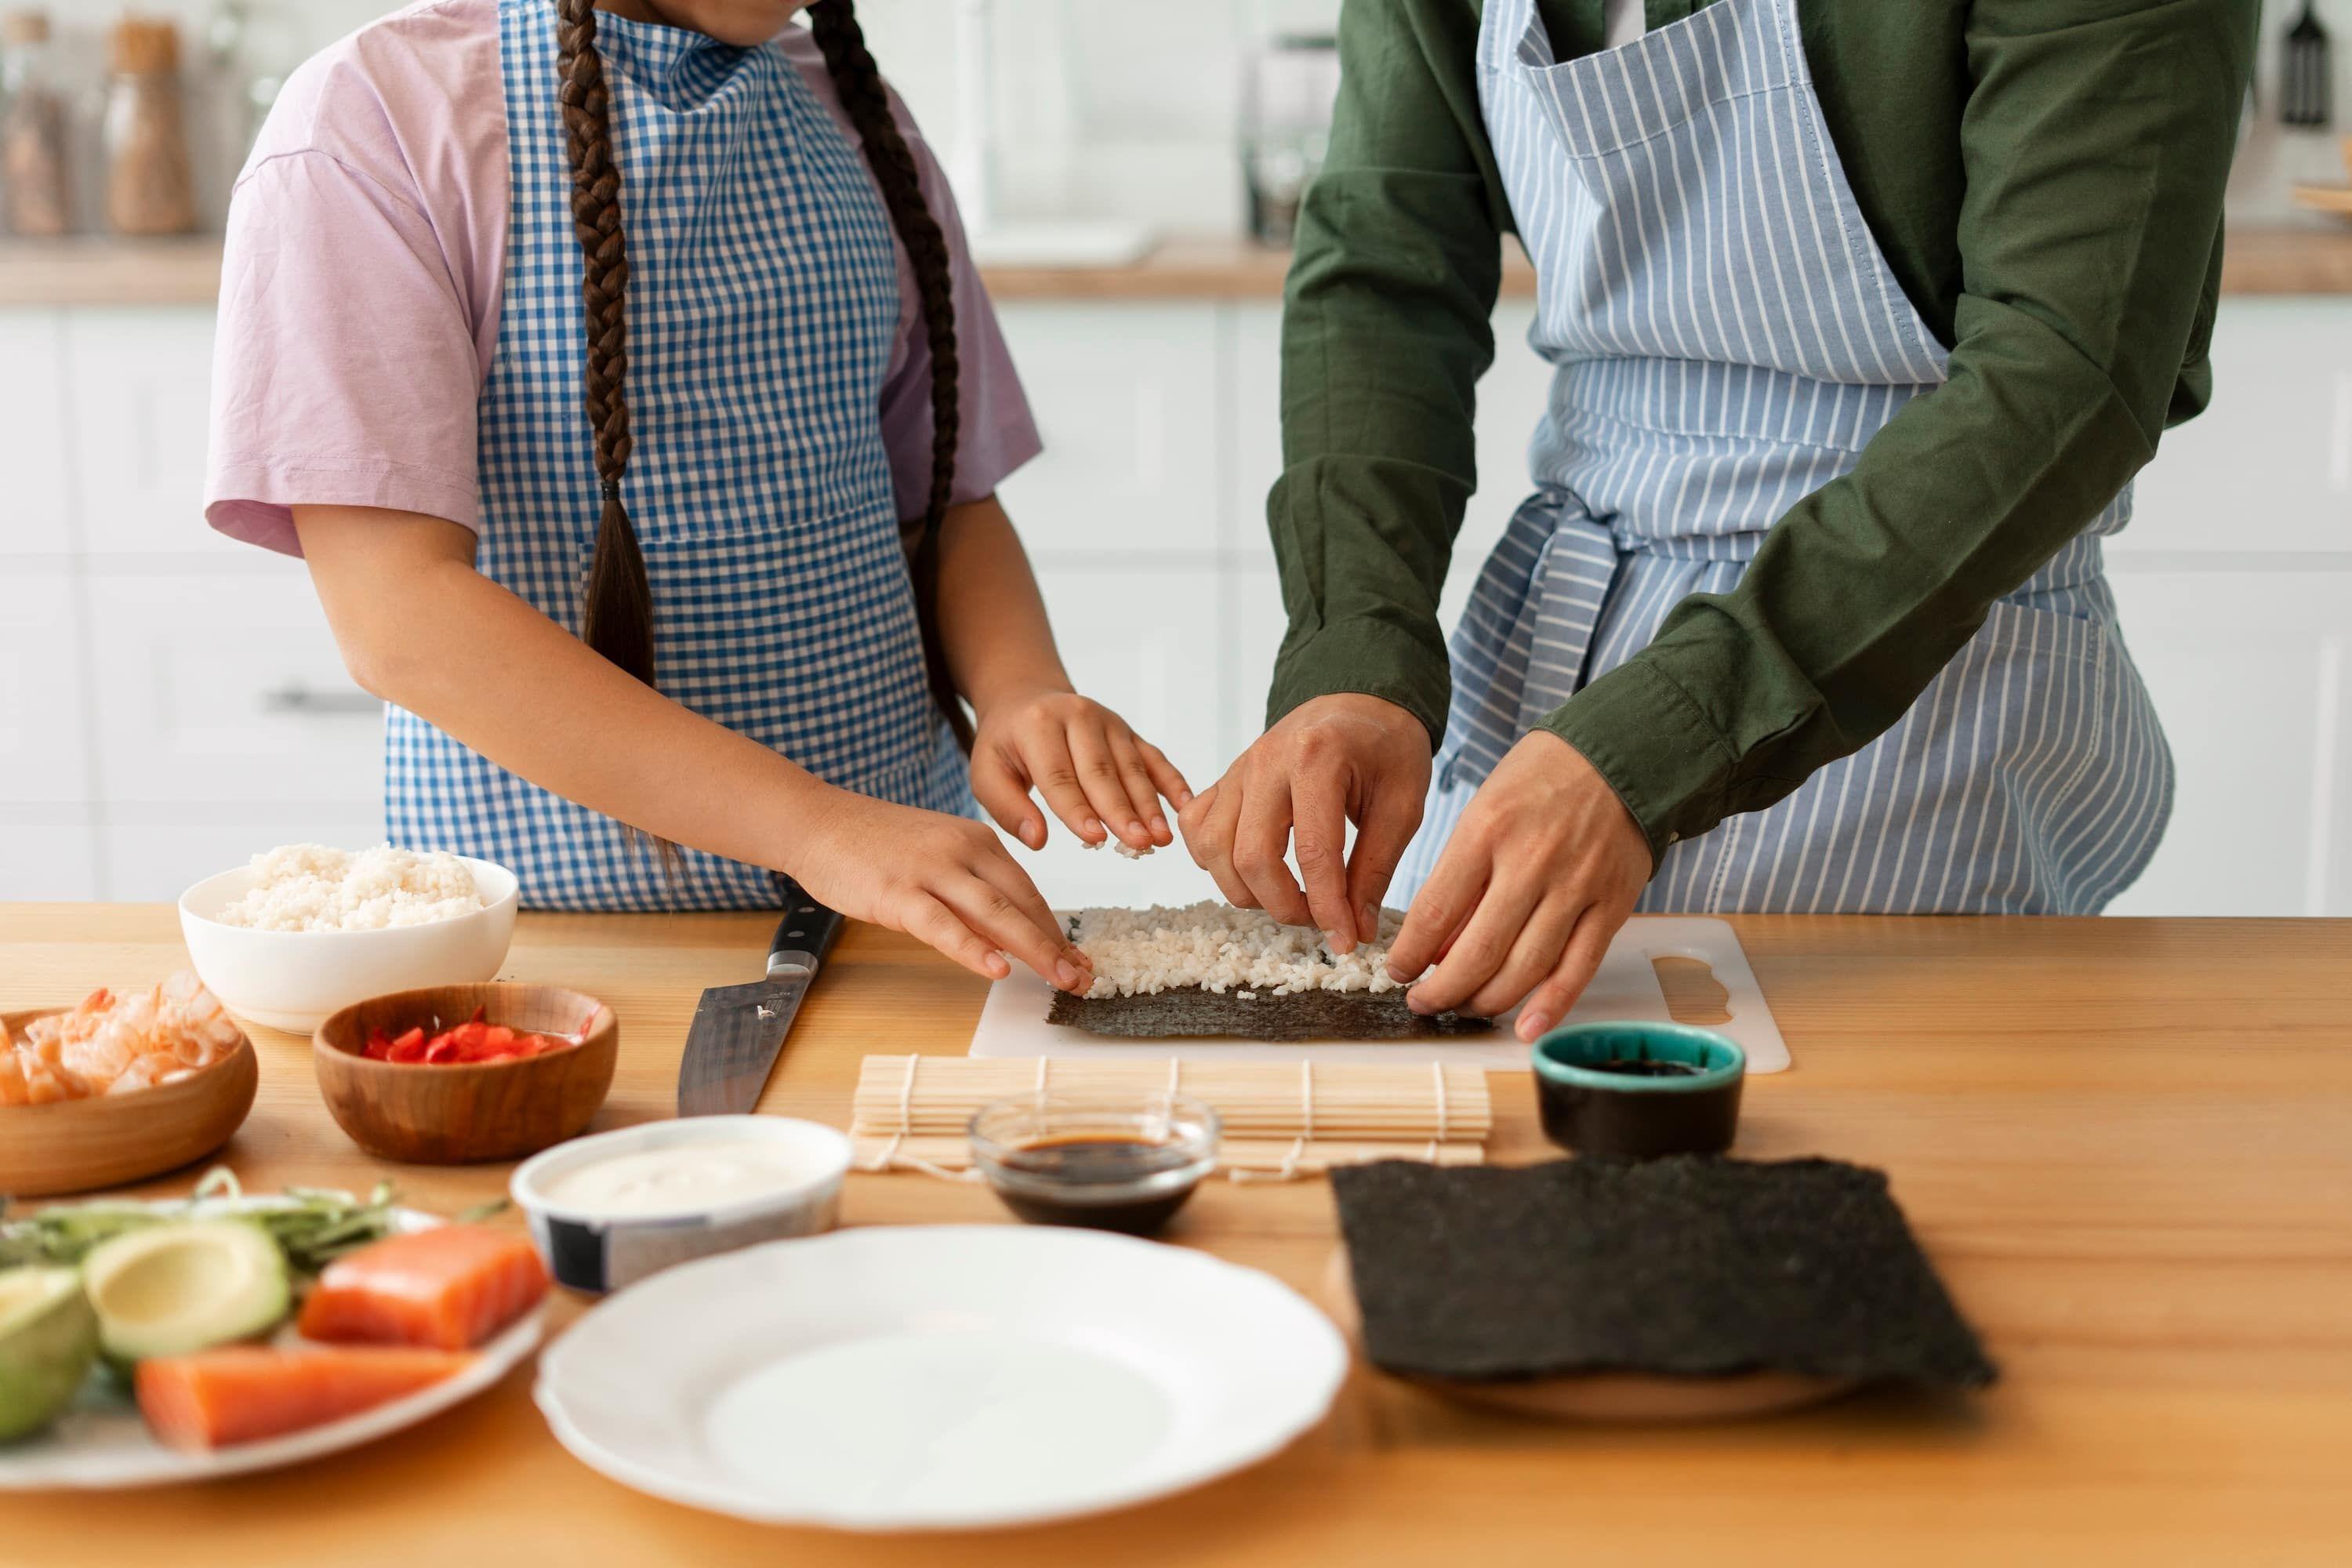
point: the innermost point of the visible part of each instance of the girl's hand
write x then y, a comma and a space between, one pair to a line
1091, 768
946, 880
1543, 867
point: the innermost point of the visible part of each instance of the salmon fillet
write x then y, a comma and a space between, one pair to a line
239, 1394
449, 1287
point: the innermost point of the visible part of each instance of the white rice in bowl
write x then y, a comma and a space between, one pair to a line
1218, 947
309, 887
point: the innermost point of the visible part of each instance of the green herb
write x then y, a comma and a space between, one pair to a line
313, 1226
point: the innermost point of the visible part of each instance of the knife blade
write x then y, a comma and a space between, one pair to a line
738, 1030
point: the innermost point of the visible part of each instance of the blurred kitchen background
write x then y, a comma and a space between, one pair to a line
168, 701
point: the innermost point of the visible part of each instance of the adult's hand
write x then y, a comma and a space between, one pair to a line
1329, 761
1543, 867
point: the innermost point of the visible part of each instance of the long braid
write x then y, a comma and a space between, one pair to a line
858, 80
617, 620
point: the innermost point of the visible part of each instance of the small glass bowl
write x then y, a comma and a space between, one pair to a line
1110, 1162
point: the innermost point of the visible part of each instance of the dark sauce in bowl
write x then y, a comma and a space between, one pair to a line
1120, 1163
1105, 1184
1643, 1067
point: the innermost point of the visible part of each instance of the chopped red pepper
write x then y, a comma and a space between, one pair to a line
471, 1041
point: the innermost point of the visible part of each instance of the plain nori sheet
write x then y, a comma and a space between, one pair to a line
1692, 1266
1189, 1012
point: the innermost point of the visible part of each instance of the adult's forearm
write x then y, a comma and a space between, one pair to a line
2097, 142
1386, 329
423, 629
1863, 591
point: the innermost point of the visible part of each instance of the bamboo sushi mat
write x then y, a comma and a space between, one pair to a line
1280, 1119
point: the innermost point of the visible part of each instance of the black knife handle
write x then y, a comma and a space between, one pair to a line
805, 935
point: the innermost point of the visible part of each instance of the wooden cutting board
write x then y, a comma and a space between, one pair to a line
1012, 1023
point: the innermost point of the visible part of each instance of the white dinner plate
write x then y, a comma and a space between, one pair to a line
100, 1444
940, 1377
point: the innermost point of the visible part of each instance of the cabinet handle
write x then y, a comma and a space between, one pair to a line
299, 698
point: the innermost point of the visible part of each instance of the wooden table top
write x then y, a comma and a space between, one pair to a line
2127, 1143
2313, 259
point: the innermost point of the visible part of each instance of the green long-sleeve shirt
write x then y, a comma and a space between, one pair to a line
2045, 177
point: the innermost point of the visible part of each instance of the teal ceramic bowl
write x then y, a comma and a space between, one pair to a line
1637, 1090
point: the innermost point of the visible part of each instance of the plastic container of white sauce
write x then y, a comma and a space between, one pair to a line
609, 1210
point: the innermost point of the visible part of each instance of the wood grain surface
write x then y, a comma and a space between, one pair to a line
97, 270
2127, 1143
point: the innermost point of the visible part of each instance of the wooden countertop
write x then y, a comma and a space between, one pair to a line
93, 271
2127, 1143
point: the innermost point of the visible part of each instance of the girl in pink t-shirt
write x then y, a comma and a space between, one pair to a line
621, 374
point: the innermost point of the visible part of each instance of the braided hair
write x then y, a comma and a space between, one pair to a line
618, 617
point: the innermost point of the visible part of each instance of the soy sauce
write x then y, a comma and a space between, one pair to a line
1112, 1162
1643, 1067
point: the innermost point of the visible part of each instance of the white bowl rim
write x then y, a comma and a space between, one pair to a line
679, 1131
512, 895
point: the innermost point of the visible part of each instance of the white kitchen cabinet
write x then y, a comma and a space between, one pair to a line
44, 707
225, 690
2248, 672
35, 519
41, 860
138, 388
2269, 466
155, 862
1126, 399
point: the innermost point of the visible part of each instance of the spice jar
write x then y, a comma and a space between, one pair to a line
33, 173
150, 186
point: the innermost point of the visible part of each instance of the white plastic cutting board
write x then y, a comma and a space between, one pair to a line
1012, 1024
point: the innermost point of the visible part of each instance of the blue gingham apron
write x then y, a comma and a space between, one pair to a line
762, 304
1729, 337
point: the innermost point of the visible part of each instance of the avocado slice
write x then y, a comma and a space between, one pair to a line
48, 1337
170, 1289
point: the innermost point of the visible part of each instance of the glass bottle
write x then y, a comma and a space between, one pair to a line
150, 179
34, 173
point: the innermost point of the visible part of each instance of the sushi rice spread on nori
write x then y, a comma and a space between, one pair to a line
1211, 969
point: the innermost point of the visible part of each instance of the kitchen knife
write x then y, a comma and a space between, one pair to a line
738, 1030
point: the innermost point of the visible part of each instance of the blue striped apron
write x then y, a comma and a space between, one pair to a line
763, 302
1727, 338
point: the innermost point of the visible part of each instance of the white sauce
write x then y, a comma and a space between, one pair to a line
682, 1179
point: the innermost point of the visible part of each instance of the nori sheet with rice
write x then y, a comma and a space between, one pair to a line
1692, 1265
1189, 1012
1193, 1012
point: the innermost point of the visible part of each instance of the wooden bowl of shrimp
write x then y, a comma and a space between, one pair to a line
119, 1087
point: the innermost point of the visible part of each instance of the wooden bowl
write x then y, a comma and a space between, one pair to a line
76, 1145
457, 1115
1599, 1397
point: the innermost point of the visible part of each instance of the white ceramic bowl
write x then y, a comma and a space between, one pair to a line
292, 979
598, 1252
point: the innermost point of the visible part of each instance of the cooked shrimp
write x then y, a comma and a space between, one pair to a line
117, 1044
